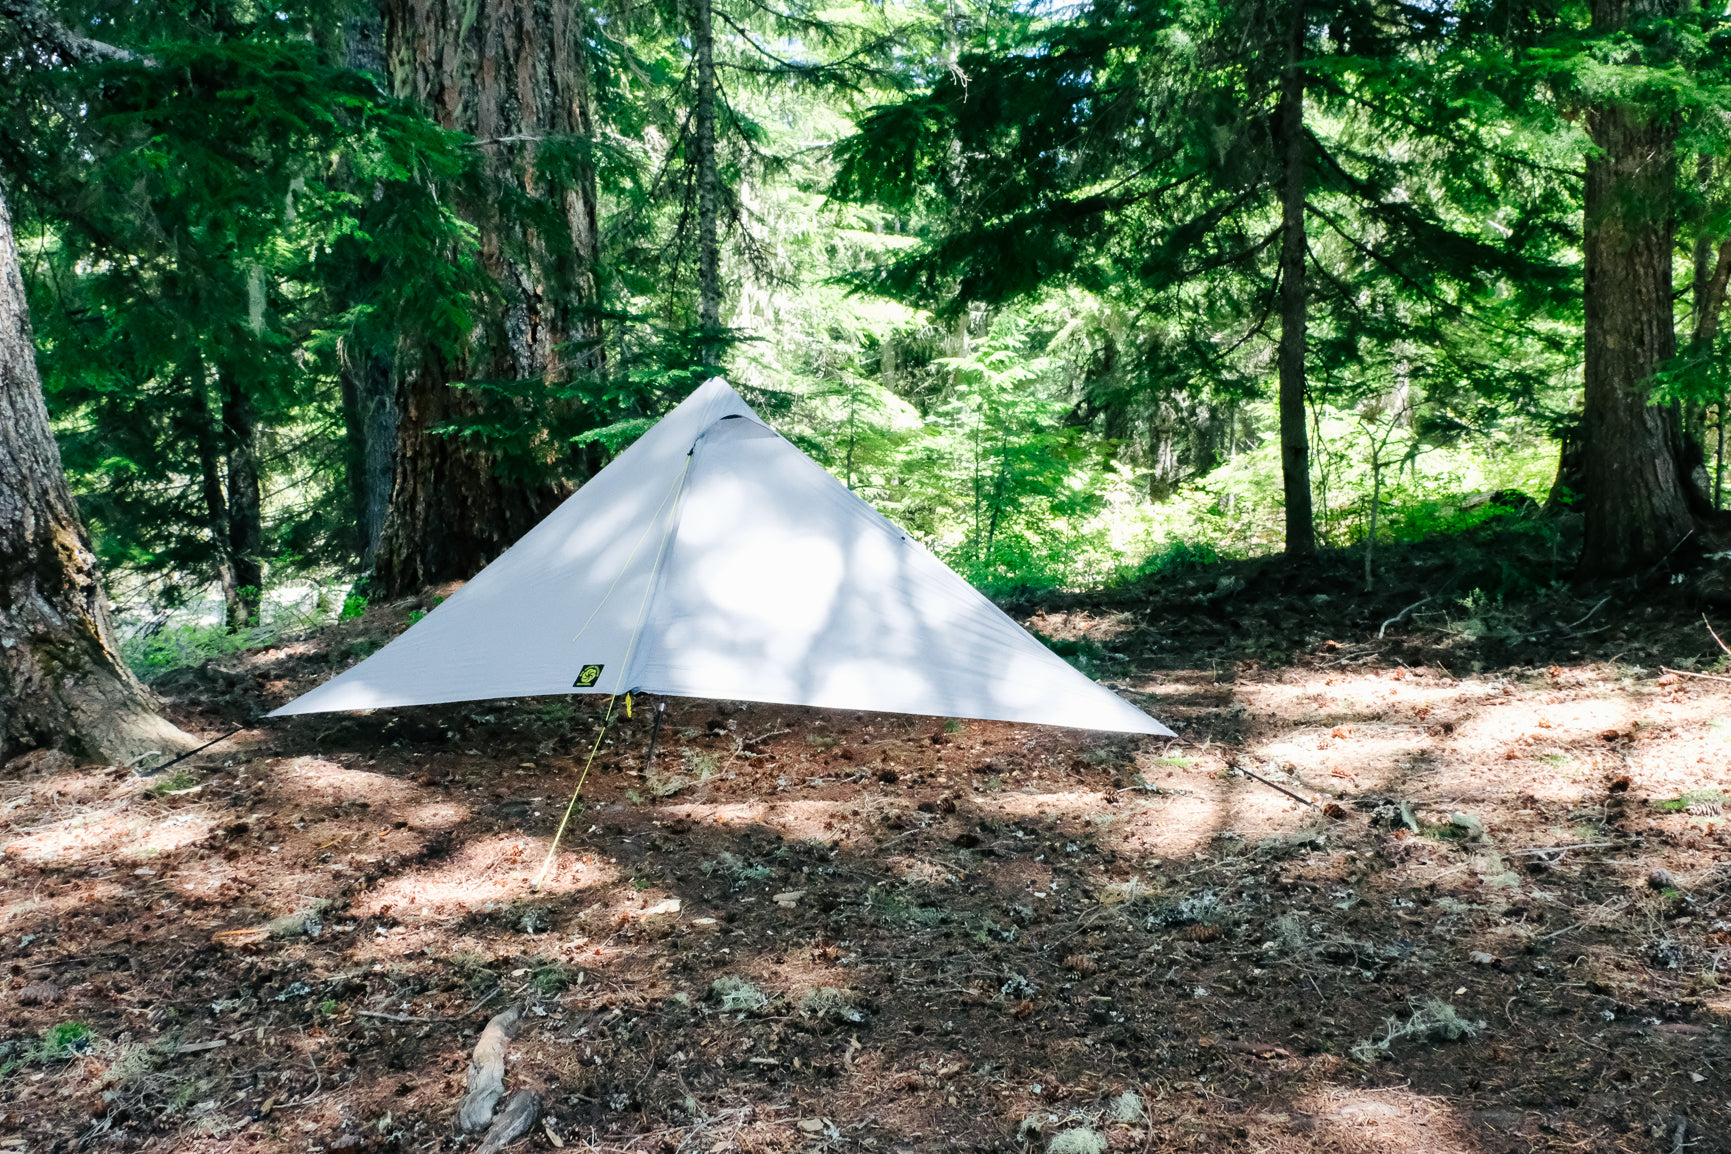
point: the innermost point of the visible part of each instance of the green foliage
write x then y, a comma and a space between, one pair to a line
66, 1040
174, 783
153, 652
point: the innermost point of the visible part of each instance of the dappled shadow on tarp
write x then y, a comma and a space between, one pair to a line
714, 559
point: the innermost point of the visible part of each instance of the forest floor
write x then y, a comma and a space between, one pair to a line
1508, 928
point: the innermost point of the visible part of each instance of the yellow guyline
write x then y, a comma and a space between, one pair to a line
630, 652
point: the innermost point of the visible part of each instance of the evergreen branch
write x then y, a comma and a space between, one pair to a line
1261, 321
45, 30
1234, 257
1354, 96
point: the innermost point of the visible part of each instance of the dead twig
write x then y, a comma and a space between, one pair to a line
1702, 676
1540, 849
1716, 637
481, 1003
1398, 617
318, 1085
1281, 788
1589, 613
396, 1017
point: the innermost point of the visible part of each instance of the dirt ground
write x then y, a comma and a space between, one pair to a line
1498, 920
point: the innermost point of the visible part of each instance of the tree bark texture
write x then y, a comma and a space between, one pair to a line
708, 183
211, 485
364, 370
245, 509
1294, 437
1636, 509
62, 682
370, 422
510, 73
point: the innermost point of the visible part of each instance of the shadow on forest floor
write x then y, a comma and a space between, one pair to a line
819, 930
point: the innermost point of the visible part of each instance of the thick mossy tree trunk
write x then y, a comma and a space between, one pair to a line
1294, 437
62, 682
1635, 507
513, 74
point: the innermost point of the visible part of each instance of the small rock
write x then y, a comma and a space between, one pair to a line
812, 1125
1480, 958
1471, 827
789, 898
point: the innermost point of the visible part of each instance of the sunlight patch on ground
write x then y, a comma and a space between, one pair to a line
318, 781
796, 820
125, 831
1172, 826
1389, 1119
498, 868
436, 815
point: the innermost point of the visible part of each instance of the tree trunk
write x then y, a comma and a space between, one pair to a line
369, 393
245, 514
62, 682
708, 185
215, 504
510, 73
370, 421
1636, 510
451, 512
1710, 287
1294, 438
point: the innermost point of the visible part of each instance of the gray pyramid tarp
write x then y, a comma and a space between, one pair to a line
714, 559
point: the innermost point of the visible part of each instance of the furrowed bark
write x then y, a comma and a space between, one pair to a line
370, 421
708, 192
62, 682
245, 511
1294, 438
215, 503
364, 370
512, 74
1636, 509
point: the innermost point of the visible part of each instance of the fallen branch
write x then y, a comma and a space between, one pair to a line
1702, 676
1566, 848
486, 1081
395, 1017
1398, 617
515, 1120
196, 1047
1716, 637
1589, 613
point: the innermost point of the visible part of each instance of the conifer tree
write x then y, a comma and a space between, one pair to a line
515, 77
62, 682
1169, 154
